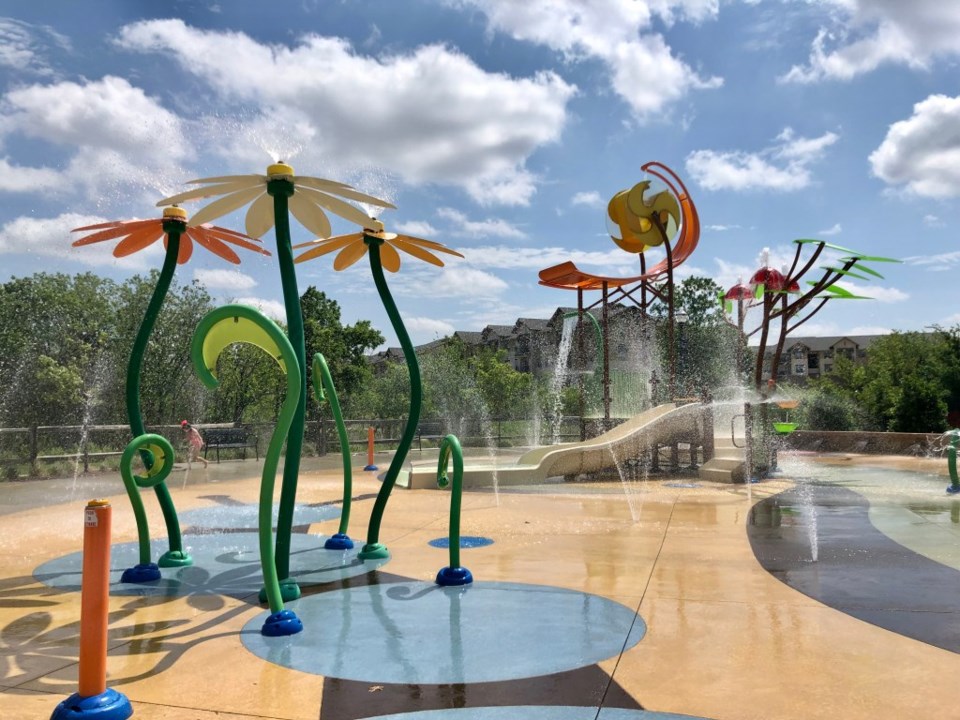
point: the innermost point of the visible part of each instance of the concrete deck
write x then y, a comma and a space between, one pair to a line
636, 603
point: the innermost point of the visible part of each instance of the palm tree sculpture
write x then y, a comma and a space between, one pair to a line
382, 248
272, 197
178, 239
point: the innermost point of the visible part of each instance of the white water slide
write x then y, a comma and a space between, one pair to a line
663, 425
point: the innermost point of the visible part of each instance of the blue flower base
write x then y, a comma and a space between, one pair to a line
339, 541
282, 623
451, 576
953, 489
108, 705
141, 573
371, 468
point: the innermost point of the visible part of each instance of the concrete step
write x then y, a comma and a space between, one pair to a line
725, 470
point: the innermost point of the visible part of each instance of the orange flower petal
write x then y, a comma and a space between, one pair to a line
349, 255
240, 240
215, 245
438, 247
417, 252
328, 246
118, 230
138, 240
185, 251
389, 257
100, 226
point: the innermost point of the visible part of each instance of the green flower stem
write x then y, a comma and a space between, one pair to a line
281, 190
450, 445
173, 229
373, 548
325, 390
271, 339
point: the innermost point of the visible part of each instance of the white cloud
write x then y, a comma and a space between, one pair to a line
116, 138
590, 199
722, 228
273, 309
936, 263
452, 281
51, 238
886, 295
923, 152
784, 166
23, 46
428, 326
431, 112
462, 226
417, 228
933, 221
506, 257
864, 34
224, 279
643, 70
835, 229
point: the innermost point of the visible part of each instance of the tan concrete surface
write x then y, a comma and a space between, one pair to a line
725, 639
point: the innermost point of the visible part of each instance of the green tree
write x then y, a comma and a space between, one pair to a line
169, 389
343, 346
53, 332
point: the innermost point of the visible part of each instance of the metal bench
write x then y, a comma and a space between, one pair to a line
236, 438
429, 431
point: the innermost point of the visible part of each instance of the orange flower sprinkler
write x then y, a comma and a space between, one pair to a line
382, 249
179, 240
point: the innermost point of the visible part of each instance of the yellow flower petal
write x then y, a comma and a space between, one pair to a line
225, 205
310, 216
389, 257
259, 217
327, 246
208, 191
350, 254
337, 207
417, 252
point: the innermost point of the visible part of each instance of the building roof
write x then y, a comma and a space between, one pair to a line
822, 344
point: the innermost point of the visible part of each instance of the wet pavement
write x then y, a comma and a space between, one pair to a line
660, 598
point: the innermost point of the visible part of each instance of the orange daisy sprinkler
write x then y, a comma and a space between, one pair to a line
136, 235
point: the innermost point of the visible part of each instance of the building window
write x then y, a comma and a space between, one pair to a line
799, 369
813, 362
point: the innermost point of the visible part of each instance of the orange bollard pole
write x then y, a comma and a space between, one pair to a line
92, 698
370, 466
95, 597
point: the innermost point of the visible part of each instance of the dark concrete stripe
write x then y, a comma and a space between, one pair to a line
858, 570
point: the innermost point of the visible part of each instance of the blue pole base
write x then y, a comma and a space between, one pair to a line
175, 558
371, 468
108, 705
282, 623
450, 576
340, 541
142, 573
953, 489
374, 551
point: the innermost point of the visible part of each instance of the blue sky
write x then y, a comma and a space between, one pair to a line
501, 129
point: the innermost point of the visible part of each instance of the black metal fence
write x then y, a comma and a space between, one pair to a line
31, 449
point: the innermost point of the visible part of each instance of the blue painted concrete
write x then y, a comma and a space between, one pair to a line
233, 517
224, 564
466, 541
416, 632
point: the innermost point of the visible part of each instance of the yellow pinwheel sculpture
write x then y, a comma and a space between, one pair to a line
308, 203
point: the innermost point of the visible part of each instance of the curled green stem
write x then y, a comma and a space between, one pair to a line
324, 389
